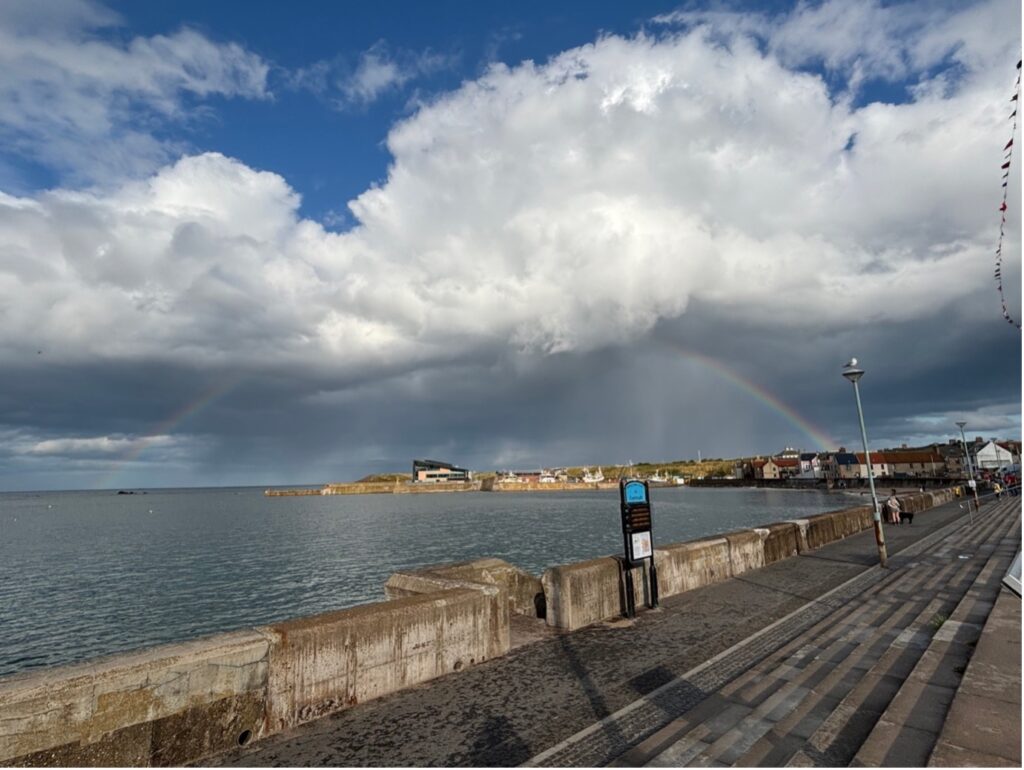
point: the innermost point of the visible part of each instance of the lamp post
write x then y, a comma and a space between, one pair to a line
970, 467
853, 374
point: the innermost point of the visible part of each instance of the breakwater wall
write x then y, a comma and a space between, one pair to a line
496, 485
379, 488
926, 482
409, 488
177, 703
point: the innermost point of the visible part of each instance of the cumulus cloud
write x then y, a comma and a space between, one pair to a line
545, 208
865, 40
74, 98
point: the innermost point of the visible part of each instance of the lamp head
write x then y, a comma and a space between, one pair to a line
961, 424
852, 372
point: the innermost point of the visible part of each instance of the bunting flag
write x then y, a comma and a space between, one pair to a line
1008, 149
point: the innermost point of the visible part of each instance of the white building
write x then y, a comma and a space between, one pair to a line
992, 456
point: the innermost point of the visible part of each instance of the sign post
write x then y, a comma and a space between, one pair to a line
635, 507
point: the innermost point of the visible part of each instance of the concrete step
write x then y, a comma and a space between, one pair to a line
801, 683
786, 693
900, 607
813, 654
793, 732
907, 731
845, 732
871, 608
862, 692
846, 704
983, 724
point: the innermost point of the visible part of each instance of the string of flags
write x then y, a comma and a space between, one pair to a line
1008, 155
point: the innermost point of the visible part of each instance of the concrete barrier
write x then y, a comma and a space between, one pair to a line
588, 592
582, 593
780, 541
685, 566
821, 530
163, 706
178, 703
746, 551
328, 662
524, 592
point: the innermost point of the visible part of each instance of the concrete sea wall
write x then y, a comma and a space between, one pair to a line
588, 592
409, 488
496, 485
378, 488
178, 703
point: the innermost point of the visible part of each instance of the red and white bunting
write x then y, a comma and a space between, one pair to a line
1002, 207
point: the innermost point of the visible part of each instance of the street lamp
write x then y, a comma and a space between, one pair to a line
970, 467
853, 374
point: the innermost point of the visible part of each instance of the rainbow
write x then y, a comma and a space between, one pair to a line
167, 426
769, 399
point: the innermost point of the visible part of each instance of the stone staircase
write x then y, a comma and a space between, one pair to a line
868, 685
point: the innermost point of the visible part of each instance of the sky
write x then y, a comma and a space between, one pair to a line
269, 243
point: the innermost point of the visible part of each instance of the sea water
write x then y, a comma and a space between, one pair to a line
84, 574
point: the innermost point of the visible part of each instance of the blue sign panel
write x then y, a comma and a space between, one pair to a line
636, 492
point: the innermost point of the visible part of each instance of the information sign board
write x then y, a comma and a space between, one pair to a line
635, 506
641, 542
638, 542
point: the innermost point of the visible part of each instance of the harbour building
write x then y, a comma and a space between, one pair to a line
433, 471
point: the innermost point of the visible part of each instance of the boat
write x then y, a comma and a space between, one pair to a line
592, 478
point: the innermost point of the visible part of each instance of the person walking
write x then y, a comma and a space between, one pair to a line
892, 507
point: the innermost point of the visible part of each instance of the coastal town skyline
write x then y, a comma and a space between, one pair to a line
275, 247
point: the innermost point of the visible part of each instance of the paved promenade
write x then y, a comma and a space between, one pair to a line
823, 659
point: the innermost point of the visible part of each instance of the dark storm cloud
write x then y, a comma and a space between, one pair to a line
640, 402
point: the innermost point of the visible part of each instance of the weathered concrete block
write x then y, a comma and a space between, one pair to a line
684, 566
863, 516
746, 551
103, 711
802, 526
520, 587
846, 522
326, 662
584, 593
780, 541
821, 530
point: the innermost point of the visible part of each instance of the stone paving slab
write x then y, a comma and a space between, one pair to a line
896, 746
948, 755
986, 725
983, 726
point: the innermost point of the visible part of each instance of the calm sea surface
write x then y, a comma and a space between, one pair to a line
92, 573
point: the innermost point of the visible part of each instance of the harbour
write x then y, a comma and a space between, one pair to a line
93, 573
